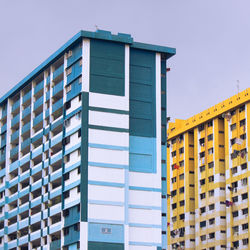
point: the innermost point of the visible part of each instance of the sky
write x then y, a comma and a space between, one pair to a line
211, 37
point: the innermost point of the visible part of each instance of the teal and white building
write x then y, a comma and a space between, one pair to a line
83, 148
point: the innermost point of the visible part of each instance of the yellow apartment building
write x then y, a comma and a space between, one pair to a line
208, 178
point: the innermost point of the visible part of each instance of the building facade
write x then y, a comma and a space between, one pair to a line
209, 177
83, 142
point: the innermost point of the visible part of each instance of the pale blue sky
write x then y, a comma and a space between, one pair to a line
212, 38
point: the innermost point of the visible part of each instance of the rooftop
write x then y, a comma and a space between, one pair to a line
181, 126
99, 34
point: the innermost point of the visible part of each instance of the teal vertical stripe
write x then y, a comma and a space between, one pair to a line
84, 157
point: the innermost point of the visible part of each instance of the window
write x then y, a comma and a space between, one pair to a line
245, 241
211, 164
66, 231
68, 105
243, 137
202, 182
202, 154
173, 179
211, 221
245, 211
236, 244
242, 122
210, 124
202, 141
182, 216
202, 168
233, 126
173, 141
173, 193
202, 224
203, 196
77, 227
245, 226
211, 193
201, 127
79, 133
223, 217
181, 190
235, 199
78, 189
235, 214
174, 219
210, 151
181, 163
234, 170
244, 182
221, 146
244, 196
66, 141
210, 137
235, 184
66, 176
222, 188
203, 210
78, 115
68, 71
68, 88
66, 212
67, 123
66, 158
174, 206
211, 178
211, 236
233, 112
223, 231
203, 237
181, 177
181, 150
242, 108
66, 194
173, 153
211, 207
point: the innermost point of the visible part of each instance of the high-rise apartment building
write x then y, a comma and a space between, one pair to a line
209, 177
83, 142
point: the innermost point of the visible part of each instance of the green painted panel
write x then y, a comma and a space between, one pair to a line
84, 157
107, 67
105, 246
142, 96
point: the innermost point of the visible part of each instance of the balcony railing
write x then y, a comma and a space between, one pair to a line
26, 97
38, 87
15, 105
58, 72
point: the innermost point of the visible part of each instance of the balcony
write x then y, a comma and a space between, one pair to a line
38, 103
39, 87
58, 88
2, 157
27, 97
25, 144
15, 105
47, 96
26, 112
58, 72
14, 136
15, 120
4, 113
4, 128
26, 128
14, 151
3, 142
76, 54
38, 119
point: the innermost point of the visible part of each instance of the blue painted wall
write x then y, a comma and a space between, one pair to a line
107, 67
142, 110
